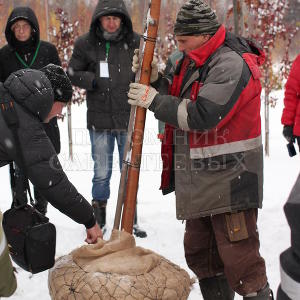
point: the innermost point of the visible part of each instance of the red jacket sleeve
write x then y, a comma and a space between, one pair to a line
291, 111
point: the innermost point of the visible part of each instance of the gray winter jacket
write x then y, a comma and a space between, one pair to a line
215, 137
32, 95
106, 97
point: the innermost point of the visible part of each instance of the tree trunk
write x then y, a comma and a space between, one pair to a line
236, 17
47, 18
69, 109
267, 116
241, 17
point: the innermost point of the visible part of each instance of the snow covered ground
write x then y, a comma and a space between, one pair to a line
156, 213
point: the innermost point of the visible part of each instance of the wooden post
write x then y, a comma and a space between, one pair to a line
140, 119
127, 150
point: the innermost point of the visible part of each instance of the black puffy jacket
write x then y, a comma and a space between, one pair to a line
46, 54
106, 97
32, 95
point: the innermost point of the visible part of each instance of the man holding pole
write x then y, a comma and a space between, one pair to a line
212, 151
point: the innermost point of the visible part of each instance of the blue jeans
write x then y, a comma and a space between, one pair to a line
103, 144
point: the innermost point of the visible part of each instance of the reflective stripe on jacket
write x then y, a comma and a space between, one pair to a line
213, 128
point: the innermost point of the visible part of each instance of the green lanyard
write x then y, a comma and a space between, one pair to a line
33, 60
107, 46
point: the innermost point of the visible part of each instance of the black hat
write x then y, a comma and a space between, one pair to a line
61, 84
196, 17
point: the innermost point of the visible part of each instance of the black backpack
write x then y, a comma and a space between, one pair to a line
31, 237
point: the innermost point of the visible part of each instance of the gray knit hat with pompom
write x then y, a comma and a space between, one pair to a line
196, 18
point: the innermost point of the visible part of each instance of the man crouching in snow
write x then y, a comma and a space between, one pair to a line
212, 151
37, 97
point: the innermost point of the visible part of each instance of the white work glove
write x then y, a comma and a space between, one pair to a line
141, 95
136, 61
136, 65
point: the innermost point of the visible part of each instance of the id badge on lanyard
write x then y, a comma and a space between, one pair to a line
103, 66
104, 71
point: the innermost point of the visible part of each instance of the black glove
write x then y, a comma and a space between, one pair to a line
288, 133
298, 140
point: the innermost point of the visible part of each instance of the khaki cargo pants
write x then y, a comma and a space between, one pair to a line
8, 283
227, 244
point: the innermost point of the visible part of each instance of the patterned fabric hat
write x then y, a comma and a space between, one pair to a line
196, 17
61, 84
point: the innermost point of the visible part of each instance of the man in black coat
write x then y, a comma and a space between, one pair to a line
101, 64
36, 99
24, 49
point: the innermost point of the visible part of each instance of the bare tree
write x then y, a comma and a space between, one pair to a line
268, 25
64, 39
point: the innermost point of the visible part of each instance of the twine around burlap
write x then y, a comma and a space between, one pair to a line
117, 269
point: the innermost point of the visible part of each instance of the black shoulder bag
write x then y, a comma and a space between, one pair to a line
31, 237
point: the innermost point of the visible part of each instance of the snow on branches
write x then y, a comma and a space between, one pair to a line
165, 45
271, 27
63, 38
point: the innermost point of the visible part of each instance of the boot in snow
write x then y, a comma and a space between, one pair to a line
216, 288
137, 231
99, 208
265, 294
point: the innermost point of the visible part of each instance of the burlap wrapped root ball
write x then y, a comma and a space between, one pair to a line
117, 269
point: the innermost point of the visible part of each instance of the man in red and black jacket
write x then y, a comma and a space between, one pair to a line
212, 151
291, 112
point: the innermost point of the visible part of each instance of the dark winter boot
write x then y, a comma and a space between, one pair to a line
137, 231
265, 294
100, 212
216, 288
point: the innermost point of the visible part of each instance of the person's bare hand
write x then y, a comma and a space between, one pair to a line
93, 234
